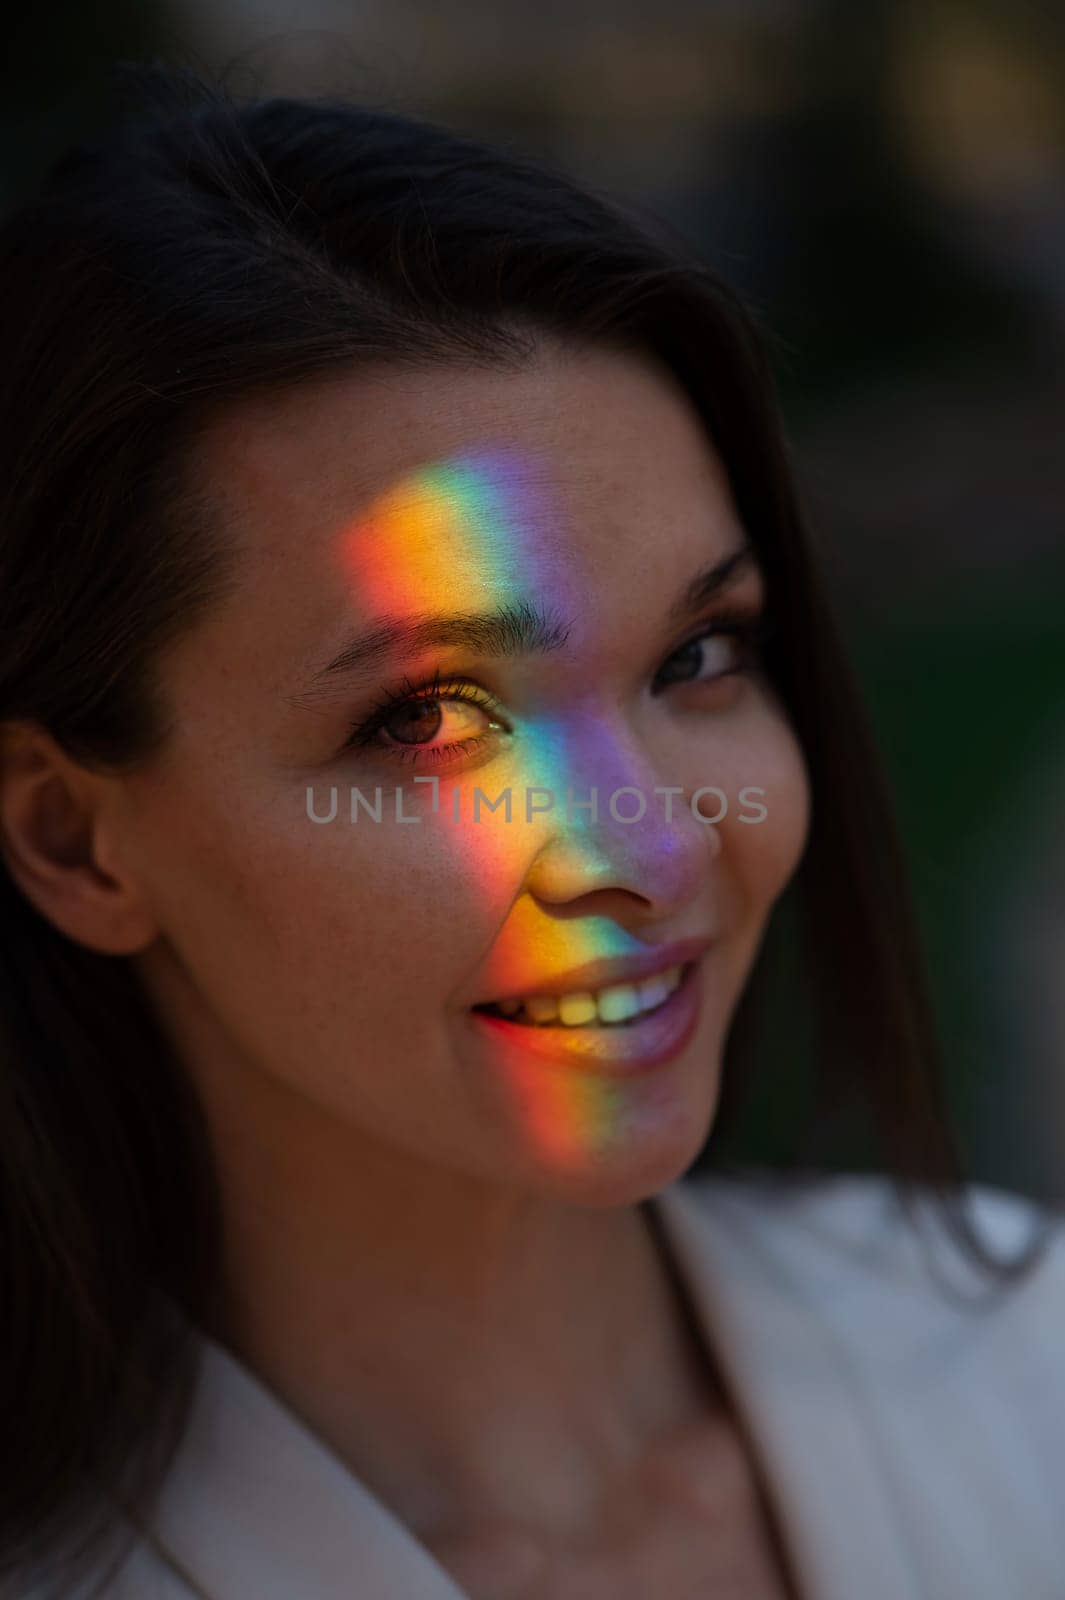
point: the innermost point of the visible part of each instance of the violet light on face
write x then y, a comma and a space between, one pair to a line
360, 977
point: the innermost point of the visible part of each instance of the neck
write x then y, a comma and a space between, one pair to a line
470, 1353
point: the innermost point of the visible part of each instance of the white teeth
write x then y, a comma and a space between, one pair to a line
654, 990
575, 1009
615, 1004
619, 1003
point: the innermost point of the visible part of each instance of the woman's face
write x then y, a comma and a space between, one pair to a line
321, 973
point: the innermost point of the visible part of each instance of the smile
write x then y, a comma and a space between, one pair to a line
661, 1023
618, 1005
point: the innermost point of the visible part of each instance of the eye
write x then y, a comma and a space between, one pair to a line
436, 722
731, 646
443, 721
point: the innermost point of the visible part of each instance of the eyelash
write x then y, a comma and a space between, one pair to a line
750, 631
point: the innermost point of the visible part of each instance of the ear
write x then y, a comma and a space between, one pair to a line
55, 843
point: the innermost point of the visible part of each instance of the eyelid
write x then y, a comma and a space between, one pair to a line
436, 688
750, 622
753, 623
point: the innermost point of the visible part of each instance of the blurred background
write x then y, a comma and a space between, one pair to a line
885, 184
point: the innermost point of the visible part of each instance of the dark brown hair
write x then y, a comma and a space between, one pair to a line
202, 250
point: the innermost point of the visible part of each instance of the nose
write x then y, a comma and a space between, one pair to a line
637, 850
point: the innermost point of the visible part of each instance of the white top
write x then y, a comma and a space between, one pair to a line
912, 1448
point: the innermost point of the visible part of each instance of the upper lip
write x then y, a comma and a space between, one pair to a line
608, 971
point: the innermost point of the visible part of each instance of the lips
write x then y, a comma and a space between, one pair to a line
616, 1006
606, 972
648, 1041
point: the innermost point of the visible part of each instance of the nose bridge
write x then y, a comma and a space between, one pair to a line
612, 821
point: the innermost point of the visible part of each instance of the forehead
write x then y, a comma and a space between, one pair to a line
377, 489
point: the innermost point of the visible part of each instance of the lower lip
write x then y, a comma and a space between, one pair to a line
648, 1042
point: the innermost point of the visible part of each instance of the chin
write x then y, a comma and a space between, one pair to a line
624, 1166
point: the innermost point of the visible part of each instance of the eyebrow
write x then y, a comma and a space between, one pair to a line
521, 628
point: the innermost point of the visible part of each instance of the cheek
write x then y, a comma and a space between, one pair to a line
767, 782
304, 936
402, 911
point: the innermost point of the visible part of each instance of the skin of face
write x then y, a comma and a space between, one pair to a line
332, 967
317, 979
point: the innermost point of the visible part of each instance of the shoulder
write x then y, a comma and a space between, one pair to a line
853, 1311
894, 1280
859, 1218
896, 1394
140, 1571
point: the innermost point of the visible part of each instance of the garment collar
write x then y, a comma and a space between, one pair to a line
256, 1507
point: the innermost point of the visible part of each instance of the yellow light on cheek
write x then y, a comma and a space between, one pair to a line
461, 535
